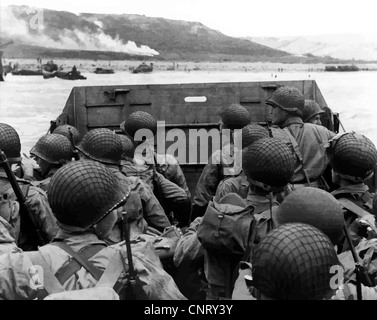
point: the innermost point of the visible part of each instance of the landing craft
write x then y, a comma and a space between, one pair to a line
64, 75
103, 71
342, 68
143, 68
181, 106
27, 72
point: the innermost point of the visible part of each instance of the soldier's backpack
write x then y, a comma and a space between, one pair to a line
226, 225
231, 227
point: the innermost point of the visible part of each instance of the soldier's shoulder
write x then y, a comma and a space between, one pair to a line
36, 191
319, 128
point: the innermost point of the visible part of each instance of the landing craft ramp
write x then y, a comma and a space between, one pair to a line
181, 106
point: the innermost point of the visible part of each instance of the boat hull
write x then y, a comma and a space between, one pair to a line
90, 107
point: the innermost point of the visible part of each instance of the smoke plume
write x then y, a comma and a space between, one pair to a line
32, 32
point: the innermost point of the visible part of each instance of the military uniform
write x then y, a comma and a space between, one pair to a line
82, 194
212, 174
174, 200
7, 238
105, 146
307, 140
292, 262
168, 166
353, 158
36, 199
165, 164
153, 213
268, 164
233, 117
239, 185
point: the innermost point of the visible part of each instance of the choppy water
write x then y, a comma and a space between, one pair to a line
28, 103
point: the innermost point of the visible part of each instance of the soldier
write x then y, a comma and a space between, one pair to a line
268, 165
353, 158
165, 164
87, 200
292, 262
312, 206
105, 146
240, 185
307, 140
189, 256
322, 210
68, 131
312, 112
51, 152
173, 199
232, 117
35, 198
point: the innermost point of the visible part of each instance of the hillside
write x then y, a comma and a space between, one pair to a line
122, 35
60, 34
342, 46
96, 36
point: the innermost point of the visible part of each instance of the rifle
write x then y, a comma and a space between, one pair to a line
359, 269
28, 224
157, 189
131, 270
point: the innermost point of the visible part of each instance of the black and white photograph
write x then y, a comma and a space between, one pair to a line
190, 154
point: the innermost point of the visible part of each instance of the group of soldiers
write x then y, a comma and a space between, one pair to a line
90, 218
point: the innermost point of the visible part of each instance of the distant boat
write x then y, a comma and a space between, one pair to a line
103, 71
70, 76
143, 68
26, 72
64, 75
48, 75
50, 66
341, 68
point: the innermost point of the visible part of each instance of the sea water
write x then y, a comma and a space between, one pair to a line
29, 103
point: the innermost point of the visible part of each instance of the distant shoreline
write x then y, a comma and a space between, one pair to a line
88, 66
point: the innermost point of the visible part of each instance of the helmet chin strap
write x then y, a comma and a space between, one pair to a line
265, 187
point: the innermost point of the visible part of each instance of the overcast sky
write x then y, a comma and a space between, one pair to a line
239, 18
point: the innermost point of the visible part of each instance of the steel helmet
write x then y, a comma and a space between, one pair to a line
53, 148
65, 130
352, 156
10, 141
293, 262
81, 193
139, 120
311, 109
252, 133
315, 207
269, 161
289, 99
102, 145
128, 148
235, 116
